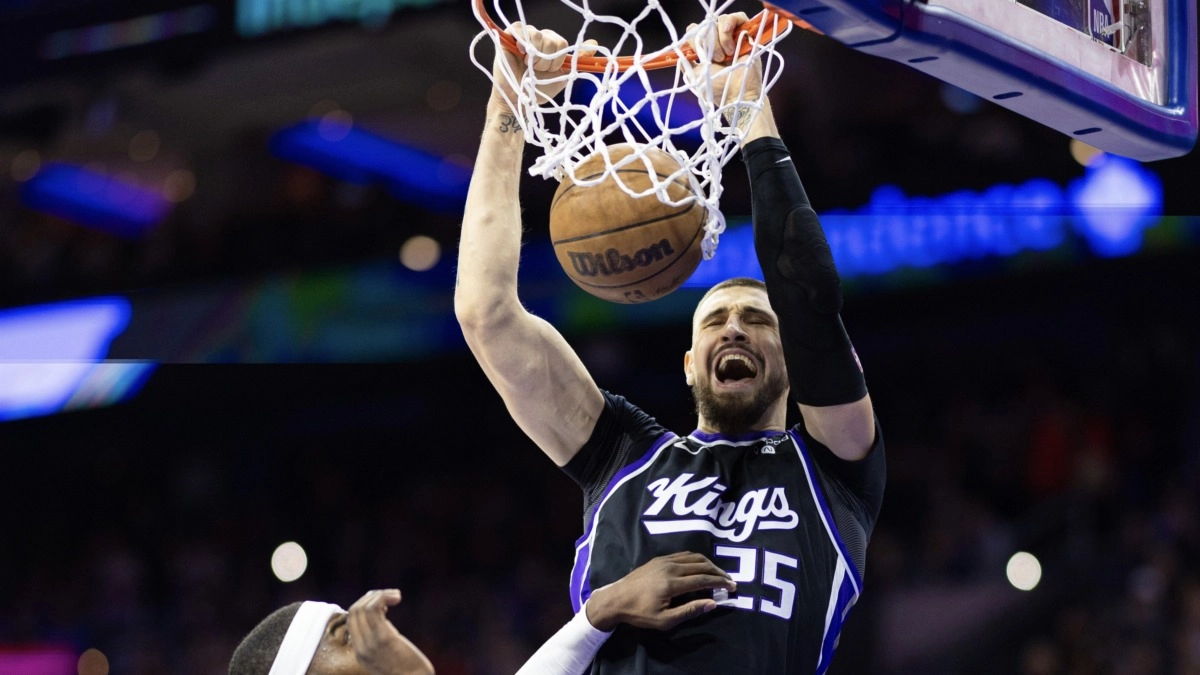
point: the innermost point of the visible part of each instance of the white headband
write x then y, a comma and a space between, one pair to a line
303, 635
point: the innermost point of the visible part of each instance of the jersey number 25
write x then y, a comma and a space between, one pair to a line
747, 572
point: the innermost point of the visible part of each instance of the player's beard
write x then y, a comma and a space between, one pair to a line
739, 413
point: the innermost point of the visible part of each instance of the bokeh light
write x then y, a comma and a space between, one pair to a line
179, 186
335, 125
1083, 153
443, 95
1024, 571
420, 253
26, 165
144, 146
322, 108
92, 662
289, 561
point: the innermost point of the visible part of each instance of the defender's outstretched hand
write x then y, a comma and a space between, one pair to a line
643, 597
377, 644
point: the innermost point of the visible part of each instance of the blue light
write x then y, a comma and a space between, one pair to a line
260, 17
895, 231
735, 258
361, 157
51, 357
94, 200
128, 33
959, 101
632, 95
1109, 207
1114, 202
1040, 208
70, 331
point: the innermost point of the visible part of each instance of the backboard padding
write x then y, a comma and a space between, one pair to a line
1146, 117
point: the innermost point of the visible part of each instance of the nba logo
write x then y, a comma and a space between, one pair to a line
1100, 16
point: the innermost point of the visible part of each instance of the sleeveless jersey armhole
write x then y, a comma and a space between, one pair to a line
852, 490
623, 433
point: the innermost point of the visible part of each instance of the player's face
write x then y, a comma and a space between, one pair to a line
335, 654
735, 366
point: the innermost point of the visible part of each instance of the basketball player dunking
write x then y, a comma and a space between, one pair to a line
787, 512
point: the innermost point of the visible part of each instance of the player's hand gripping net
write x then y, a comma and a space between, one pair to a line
728, 64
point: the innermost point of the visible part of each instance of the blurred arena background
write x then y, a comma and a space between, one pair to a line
220, 333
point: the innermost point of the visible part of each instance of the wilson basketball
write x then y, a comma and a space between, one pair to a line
621, 248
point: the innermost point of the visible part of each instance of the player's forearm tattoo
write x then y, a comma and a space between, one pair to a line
508, 124
739, 116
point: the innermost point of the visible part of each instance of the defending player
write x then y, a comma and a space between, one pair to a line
787, 512
317, 638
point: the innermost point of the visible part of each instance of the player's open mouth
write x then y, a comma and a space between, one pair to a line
735, 367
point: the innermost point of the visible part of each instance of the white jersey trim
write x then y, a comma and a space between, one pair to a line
665, 442
821, 509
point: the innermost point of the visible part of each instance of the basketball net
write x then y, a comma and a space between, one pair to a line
592, 112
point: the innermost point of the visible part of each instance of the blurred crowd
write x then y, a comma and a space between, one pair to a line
1056, 413
253, 214
1098, 475
145, 530
299, 220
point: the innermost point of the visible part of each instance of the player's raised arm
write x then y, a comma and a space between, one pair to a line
543, 383
802, 281
826, 378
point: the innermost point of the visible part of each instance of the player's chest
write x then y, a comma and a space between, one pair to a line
727, 492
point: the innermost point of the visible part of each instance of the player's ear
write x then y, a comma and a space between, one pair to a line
688, 375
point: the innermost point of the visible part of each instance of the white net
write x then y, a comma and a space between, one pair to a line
690, 112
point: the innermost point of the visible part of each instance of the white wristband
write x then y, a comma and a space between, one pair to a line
569, 651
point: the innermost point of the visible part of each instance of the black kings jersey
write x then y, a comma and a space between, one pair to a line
785, 517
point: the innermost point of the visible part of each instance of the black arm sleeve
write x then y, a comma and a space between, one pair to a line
802, 281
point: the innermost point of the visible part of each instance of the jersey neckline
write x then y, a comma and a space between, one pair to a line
706, 437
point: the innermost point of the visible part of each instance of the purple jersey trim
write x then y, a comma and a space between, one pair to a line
581, 588
824, 504
845, 600
706, 438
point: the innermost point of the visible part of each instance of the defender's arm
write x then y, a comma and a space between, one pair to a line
644, 598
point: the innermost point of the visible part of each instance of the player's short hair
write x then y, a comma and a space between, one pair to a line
735, 282
257, 650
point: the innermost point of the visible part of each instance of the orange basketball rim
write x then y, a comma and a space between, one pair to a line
663, 59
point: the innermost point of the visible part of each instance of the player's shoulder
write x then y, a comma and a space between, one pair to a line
626, 413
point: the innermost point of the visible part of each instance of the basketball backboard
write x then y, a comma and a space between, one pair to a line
1119, 75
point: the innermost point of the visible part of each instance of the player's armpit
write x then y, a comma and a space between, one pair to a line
543, 383
848, 429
